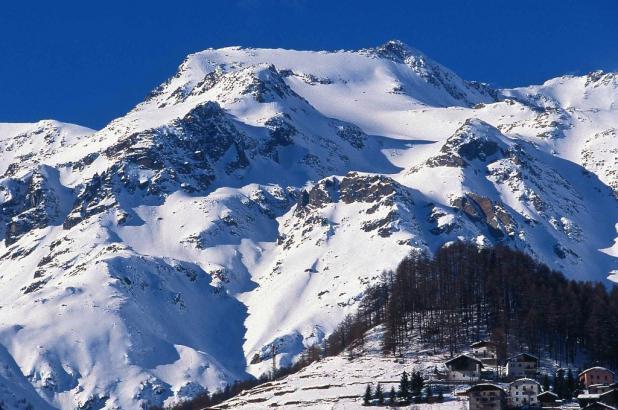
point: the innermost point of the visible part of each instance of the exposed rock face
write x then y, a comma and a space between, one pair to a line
376, 192
474, 140
600, 155
482, 209
34, 202
353, 187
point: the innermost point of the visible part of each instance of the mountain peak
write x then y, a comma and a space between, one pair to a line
395, 50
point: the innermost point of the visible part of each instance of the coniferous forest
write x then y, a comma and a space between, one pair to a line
463, 294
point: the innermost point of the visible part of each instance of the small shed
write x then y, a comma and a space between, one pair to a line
547, 399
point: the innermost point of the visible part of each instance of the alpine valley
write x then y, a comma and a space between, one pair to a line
251, 199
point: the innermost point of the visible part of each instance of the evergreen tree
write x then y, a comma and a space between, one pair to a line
404, 387
417, 383
392, 396
545, 382
579, 385
367, 396
379, 395
570, 384
559, 384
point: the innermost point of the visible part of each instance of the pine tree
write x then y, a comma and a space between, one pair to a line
392, 396
579, 385
379, 395
570, 385
367, 396
404, 387
559, 385
417, 383
545, 382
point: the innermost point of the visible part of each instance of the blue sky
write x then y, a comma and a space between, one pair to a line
88, 62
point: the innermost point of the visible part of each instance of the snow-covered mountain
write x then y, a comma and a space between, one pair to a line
252, 197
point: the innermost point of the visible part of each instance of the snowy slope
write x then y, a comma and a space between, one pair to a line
252, 197
339, 382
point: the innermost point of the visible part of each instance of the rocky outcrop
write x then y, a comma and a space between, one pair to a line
34, 202
491, 214
475, 140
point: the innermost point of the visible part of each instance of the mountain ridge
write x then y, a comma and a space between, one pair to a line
191, 228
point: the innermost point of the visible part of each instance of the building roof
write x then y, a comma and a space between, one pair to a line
611, 391
599, 405
461, 359
588, 396
482, 343
524, 380
485, 387
525, 356
547, 393
595, 368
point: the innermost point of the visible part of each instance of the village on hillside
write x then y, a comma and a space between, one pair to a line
423, 378
522, 384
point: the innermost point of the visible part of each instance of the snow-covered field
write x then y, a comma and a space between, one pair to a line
339, 382
252, 197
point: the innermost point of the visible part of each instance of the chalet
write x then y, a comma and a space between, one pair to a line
598, 388
599, 394
522, 365
486, 396
599, 406
547, 399
596, 375
610, 397
586, 399
463, 368
485, 351
523, 393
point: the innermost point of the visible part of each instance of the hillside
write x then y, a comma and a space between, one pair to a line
146, 262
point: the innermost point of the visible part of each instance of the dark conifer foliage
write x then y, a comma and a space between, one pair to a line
464, 294
379, 395
367, 396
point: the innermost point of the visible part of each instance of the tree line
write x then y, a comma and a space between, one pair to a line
463, 294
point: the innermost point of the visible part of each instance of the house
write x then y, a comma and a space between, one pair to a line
523, 392
485, 351
522, 365
599, 406
463, 368
599, 394
547, 399
598, 388
586, 398
596, 375
610, 397
486, 396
